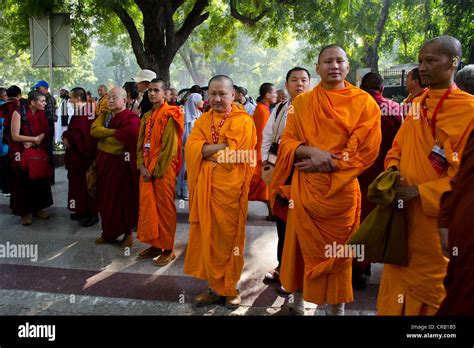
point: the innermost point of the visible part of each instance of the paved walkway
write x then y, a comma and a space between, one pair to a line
73, 276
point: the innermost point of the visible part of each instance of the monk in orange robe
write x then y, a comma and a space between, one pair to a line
427, 152
414, 87
102, 106
159, 162
220, 156
332, 135
258, 188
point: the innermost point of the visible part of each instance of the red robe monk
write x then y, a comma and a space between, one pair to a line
218, 187
457, 217
427, 152
159, 159
258, 188
117, 176
81, 150
29, 196
331, 137
391, 120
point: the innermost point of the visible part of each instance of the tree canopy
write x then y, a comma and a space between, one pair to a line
205, 33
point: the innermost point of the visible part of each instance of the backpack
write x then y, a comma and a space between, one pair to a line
6, 112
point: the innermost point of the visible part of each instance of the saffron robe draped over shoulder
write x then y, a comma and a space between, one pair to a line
418, 289
157, 213
117, 177
218, 201
258, 188
324, 207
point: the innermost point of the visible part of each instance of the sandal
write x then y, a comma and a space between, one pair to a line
274, 274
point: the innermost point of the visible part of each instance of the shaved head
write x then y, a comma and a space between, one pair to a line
222, 78
221, 93
119, 91
117, 100
328, 47
439, 59
161, 82
448, 45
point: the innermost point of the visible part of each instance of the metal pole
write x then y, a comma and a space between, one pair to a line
50, 54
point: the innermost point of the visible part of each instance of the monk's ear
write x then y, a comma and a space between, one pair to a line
317, 69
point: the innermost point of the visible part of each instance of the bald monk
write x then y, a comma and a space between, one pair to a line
332, 136
258, 188
102, 106
117, 176
218, 190
159, 160
427, 152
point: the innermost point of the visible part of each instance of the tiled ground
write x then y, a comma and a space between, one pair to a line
74, 276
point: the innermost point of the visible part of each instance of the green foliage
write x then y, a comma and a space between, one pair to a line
251, 52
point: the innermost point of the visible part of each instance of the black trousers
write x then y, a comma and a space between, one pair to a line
281, 227
5, 174
50, 146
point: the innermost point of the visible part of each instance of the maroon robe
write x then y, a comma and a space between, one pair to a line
28, 196
79, 157
391, 114
118, 179
457, 214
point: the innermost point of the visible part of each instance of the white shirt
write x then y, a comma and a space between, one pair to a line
58, 129
191, 111
249, 107
273, 130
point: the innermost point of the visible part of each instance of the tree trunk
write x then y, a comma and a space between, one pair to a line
372, 58
161, 40
189, 59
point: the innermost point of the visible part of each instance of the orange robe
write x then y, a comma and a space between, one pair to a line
258, 189
157, 213
218, 199
324, 207
418, 288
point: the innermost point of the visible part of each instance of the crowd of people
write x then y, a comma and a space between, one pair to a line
311, 155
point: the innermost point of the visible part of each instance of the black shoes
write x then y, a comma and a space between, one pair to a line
89, 221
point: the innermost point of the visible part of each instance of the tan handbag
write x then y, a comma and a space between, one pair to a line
267, 173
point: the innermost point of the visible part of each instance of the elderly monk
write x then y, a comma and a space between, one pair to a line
427, 152
218, 185
331, 137
102, 106
159, 160
117, 176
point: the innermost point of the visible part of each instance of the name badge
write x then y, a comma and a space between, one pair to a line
438, 159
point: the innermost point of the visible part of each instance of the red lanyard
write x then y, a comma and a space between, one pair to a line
149, 126
215, 134
432, 123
